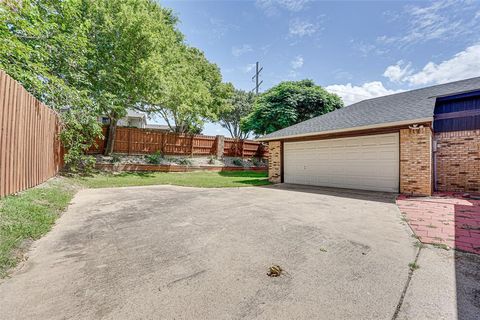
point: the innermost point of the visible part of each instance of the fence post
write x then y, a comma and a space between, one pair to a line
129, 141
242, 148
219, 146
191, 145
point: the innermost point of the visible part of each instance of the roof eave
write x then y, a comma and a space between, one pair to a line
374, 126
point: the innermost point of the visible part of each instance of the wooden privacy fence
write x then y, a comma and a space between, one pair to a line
136, 141
30, 150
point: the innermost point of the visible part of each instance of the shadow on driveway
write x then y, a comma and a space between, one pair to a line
384, 197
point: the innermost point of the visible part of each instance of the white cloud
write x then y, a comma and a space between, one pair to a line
248, 68
302, 27
463, 65
241, 50
297, 62
367, 49
438, 20
272, 7
398, 72
351, 93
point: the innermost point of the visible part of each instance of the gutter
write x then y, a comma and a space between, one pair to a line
374, 126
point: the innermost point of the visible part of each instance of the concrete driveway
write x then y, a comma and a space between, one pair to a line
167, 252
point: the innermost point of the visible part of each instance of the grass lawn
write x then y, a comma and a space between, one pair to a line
190, 179
29, 215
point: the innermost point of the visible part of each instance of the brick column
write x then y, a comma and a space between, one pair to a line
416, 161
275, 161
220, 145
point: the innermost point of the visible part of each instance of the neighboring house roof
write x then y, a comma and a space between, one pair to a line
135, 114
158, 127
400, 108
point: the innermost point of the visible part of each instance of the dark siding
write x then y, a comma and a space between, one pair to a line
461, 102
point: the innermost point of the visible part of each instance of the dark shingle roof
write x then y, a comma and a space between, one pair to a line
409, 105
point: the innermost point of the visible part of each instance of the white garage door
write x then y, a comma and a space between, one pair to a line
366, 162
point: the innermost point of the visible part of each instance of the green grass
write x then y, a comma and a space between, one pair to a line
413, 266
190, 179
28, 216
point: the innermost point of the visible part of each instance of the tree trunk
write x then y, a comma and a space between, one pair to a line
112, 130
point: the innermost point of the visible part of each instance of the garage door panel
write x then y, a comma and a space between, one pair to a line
367, 162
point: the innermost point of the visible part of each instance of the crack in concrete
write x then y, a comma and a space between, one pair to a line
405, 288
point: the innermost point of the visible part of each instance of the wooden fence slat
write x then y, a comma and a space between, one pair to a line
30, 152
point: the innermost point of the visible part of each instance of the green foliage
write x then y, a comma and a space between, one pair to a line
288, 103
183, 161
115, 158
87, 58
211, 160
81, 128
193, 91
155, 158
238, 162
258, 162
43, 45
239, 106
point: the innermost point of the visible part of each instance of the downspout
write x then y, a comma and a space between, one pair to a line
434, 160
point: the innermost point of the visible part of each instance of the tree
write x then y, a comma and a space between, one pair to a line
125, 36
43, 45
288, 103
239, 106
193, 91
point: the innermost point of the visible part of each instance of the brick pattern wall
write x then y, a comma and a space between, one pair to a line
458, 161
275, 161
416, 161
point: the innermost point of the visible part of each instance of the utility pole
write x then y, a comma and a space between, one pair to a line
256, 78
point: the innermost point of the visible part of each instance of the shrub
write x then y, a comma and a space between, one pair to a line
238, 162
258, 162
211, 160
183, 161
154, 158
115, 158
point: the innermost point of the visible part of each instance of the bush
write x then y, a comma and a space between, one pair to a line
115, 158
211, 160
257, 162
154, 158
84, 165
238, 162
183, 161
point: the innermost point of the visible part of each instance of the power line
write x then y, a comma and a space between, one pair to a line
256, 78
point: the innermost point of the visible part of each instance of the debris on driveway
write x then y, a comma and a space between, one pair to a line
274, 271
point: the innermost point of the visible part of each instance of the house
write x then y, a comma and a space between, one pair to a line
161, 127
136, 119
132, 119
413, 142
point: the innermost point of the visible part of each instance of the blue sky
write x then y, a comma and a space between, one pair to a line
356, 49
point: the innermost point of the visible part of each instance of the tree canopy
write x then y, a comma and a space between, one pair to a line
43, 46
91, 58
288, 103
239, 106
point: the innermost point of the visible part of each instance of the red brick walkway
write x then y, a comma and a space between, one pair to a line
445, 218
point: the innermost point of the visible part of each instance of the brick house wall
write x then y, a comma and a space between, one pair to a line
275, 161
458, 161
416, 161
